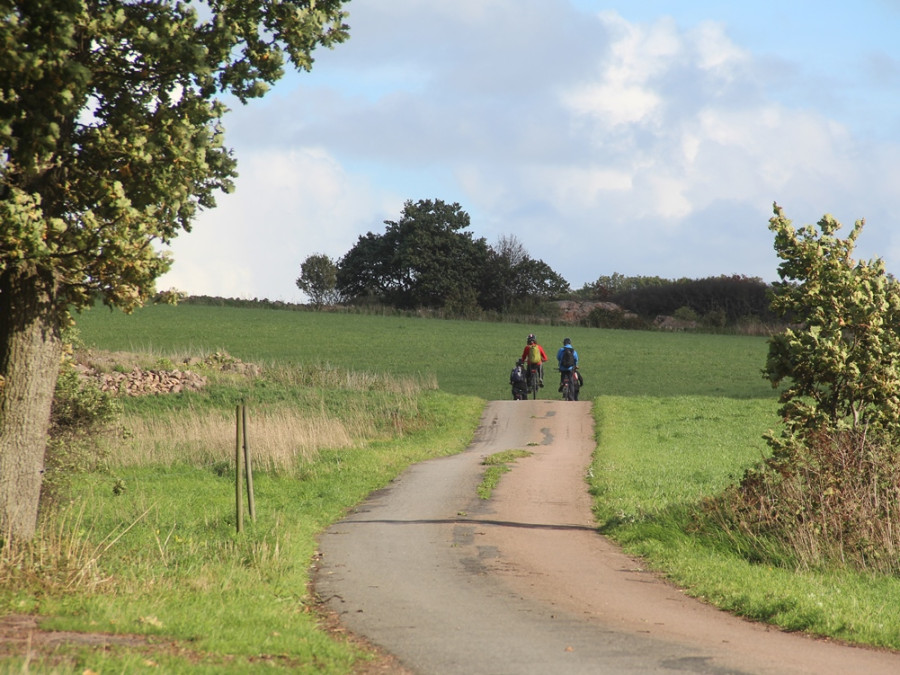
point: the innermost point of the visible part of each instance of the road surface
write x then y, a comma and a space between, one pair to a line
522, 583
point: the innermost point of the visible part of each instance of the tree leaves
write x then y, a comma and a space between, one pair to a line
426, 259
110, 129
318, 279
840, 357
110, 142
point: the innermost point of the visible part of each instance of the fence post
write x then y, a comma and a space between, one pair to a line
238, 493
251, 502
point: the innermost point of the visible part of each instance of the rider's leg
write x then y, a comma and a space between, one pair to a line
541, 375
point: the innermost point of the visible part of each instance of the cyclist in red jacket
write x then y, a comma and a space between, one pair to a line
534, 355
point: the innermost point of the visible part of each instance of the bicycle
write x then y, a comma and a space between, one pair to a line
569, 391
534, 380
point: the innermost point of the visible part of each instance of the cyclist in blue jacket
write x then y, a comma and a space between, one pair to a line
567, 358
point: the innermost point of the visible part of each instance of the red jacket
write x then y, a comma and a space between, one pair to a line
528, 348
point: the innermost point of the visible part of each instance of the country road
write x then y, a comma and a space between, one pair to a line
522, 583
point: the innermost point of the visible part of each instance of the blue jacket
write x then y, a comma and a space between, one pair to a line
559, 356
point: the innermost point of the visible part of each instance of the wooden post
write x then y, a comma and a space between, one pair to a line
248, 465
238, 492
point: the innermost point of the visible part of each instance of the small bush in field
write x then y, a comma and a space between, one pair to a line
600, 317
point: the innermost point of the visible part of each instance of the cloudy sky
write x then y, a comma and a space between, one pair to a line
647, 137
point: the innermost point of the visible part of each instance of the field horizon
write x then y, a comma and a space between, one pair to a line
468, 357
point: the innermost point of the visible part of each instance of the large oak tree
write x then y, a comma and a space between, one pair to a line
110, 142
421, 260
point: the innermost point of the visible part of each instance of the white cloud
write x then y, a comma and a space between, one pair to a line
614, 103
716, 52
657, 145
287, 206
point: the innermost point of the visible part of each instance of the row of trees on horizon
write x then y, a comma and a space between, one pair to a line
428, 259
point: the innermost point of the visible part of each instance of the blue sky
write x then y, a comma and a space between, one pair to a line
645, 138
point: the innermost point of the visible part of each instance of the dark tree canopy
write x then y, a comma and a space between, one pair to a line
426, 259
734, 297
419, 261
513, 278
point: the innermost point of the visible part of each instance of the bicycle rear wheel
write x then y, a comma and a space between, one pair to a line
568, 387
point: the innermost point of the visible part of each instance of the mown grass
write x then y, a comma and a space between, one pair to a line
657, 458
655, 452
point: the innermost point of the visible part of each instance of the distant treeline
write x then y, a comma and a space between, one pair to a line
713, 301
264, 303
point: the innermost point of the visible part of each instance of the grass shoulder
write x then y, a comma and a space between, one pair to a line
657, 459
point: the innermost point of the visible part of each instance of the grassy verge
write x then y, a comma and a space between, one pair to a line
657, 458
149, 548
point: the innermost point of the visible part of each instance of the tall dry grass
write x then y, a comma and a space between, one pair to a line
59, 558
281, 436
836, 504
279, 439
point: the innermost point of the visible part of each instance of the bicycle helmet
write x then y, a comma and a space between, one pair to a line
531, 338
567, 341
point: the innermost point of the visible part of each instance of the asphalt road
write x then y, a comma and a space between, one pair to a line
522, 583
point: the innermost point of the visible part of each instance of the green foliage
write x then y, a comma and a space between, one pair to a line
110, 130
842, 356
80, 413
462, 303
685, 314
607, 287
512, 277
426, 260
601, 317
318, 279
828, 493
713, 300
418, 261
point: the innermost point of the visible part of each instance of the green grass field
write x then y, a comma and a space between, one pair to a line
679, 417
469, 358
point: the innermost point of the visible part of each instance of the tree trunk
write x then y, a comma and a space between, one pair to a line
30, 352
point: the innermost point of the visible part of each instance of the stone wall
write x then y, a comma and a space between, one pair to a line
140, 382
